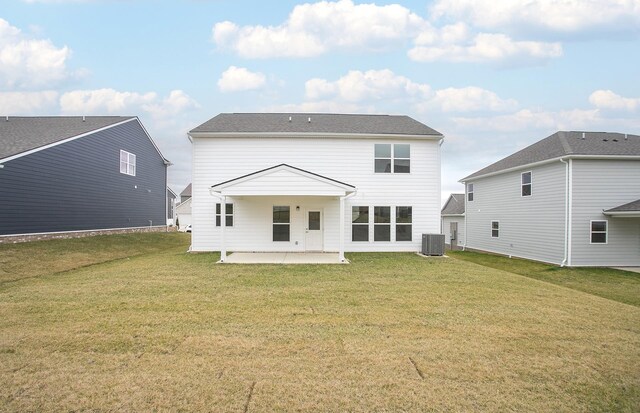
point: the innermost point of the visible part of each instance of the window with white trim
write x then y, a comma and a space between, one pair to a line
394, 158
281, 223
359, 223
599, 232
382, 223
469, 192
404, 218
127, 163
228, 215
526, 184
495, 229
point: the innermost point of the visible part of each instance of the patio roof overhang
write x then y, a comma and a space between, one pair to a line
628, 210
283, 180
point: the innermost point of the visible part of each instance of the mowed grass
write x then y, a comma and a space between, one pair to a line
170, 331
623, 286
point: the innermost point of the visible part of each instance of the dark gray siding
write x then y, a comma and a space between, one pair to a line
78, 185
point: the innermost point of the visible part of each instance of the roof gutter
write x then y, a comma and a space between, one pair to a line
313, 135
547, 161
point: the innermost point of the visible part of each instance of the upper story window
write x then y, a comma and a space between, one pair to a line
127, 163
469, 192
394, 158
599, 232
526, 184
228, 212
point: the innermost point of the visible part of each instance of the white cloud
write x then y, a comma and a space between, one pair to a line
313, 28
606, 99
527, 119
560, 16
455, 46
385, 86
469, 99
357, 86
236, 79
110, 101
177, 102
27, 62
27, 103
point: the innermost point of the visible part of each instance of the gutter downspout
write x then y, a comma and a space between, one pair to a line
464, 246
342, 202
566, 214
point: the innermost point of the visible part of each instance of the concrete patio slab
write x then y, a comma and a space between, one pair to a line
632, 269
283, 258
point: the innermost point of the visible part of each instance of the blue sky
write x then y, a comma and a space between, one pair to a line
492, 75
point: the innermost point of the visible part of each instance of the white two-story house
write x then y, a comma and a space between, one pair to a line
571, 199
314, 182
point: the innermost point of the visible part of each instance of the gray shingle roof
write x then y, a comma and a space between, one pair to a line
20, 133
454, 205
320, 123
632, 206
186, 191
564, 143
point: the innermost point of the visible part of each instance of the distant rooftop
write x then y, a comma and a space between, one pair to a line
23, 133
317, 123
186, 191
564, 143
454, 205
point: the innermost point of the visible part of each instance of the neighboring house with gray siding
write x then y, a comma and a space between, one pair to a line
79, 173
570, 199
171, 206
185, 194
452, 216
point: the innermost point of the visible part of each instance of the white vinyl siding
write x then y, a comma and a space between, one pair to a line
530, 227
599, 185
446, 229
252, 231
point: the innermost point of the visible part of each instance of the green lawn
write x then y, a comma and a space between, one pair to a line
622, 286
164, 330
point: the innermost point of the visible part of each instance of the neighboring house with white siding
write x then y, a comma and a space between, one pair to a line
314, 182
183, 214
452, 216
570, 199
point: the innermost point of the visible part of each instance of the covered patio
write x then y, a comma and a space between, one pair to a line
297, 217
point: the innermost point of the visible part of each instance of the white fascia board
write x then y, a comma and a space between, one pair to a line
240, 192
312, 135
72, 138
623, 214
452, 215
222, 188
165, 160
546, 161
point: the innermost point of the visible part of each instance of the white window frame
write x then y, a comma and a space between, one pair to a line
128, 165
368, 224
389, 224
522, 184
470, 190
408, 224
280, 223
495, 229
219, 215
605, 232
392, 158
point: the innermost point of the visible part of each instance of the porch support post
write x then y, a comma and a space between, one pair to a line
341, 252
223, 225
